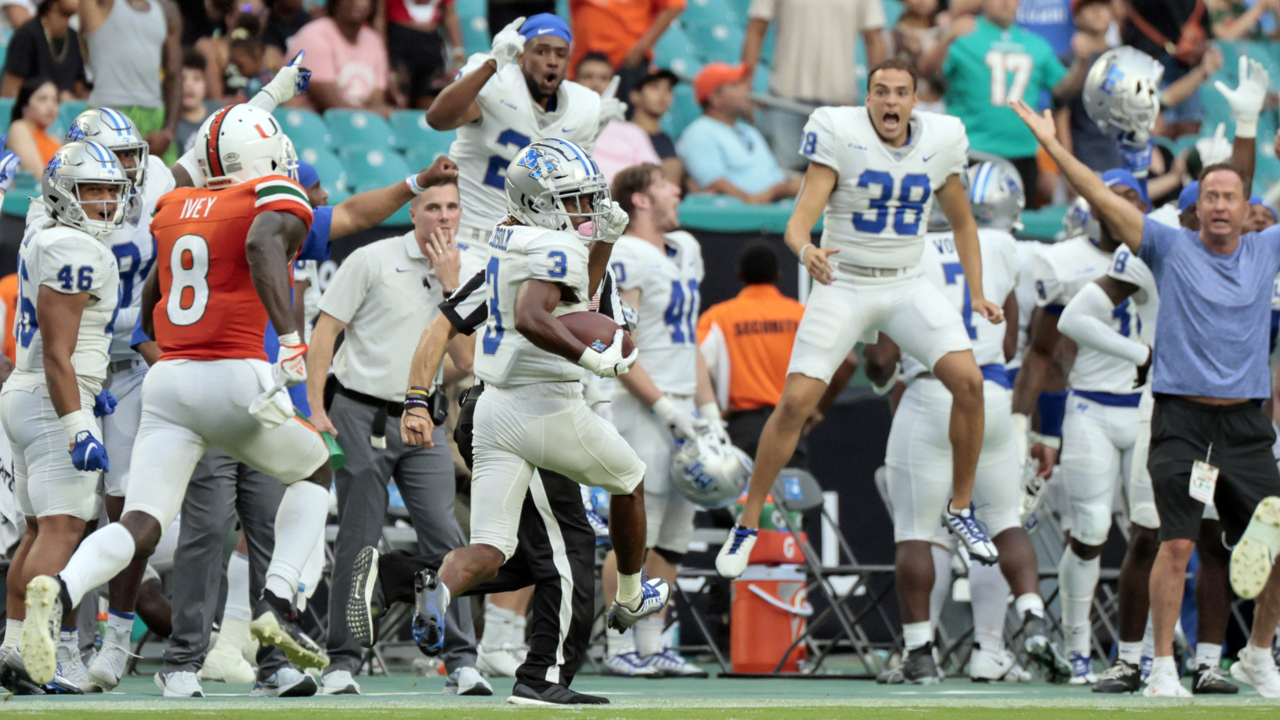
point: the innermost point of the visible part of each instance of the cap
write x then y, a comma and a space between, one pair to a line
546, 24
307, 175
715, 75
1257, 200
1188, 196
654, 74
1117, 176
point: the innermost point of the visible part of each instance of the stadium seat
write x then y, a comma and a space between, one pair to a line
333, 175
676, 52
18, 199
371, 169
399, 217
413, 132
422, 157
475, 33
305, 128
721, 42
684, 110
707, 13
67, 113
6, 107
359, 129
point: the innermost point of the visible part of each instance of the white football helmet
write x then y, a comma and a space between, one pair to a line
84, 163
709, 471
995, 195
1079, 220
545, 174
240, 143
115, 130
1122, 94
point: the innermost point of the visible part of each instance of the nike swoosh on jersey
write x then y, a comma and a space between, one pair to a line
568, 130
400, 271
927, 158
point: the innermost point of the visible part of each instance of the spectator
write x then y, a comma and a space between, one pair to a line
915, 34
980, 97
813, 59
1183, 25
1262, 215
250, 62
47, 47
195, 106
1051, 20
621, 144
1235, 20
651, 98
16, 13
348, 61
502, 12
286, 18
217, 46
131, 45
416, 47
723, 152
33, 112
1078, 132
625, 31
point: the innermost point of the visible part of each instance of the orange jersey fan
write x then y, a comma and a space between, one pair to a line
208, 308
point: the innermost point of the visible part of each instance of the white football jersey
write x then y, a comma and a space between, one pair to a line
68, 261
1025, 294
517, 253
879, 211
135, 252
940, 264
510, 121
1135, 318
667, 318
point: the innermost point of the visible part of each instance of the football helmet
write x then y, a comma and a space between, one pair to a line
240, 143
995, 195
709, 471
546, 174
1079, 220
116, 131
73, 166
1122, 94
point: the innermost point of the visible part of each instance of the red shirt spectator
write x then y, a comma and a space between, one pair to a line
624, 30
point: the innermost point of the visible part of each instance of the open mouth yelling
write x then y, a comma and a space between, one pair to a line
890, 121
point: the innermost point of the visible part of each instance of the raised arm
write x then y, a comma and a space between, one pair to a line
370, 208
456, 105
932, 62
1124, 219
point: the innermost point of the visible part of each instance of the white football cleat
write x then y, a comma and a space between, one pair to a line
1165, 685
466, 681
1255, 554
630, 664
179, 684
339, 682
40, 630
108, 666
992, 666
226, 663
286, 682
1257, 667
496, 663
653, 597
733, 556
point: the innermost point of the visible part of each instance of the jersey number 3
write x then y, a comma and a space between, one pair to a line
189, 291
906, 216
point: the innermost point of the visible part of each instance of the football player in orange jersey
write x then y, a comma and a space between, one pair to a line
223, 255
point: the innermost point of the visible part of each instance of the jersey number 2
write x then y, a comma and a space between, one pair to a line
496, 174
906, 217
189, 291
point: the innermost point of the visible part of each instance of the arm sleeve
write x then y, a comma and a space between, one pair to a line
1128, 268
762, 9
611, 305
818, 143
279, 194
139, 336
715, 351
70, 266
960, 149
316, 246
348, 288
467, 309
702, 155
1087, 320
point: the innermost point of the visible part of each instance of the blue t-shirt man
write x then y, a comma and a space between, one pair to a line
712, 150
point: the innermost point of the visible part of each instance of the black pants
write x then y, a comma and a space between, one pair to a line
744, 432
418, 59
1241, 437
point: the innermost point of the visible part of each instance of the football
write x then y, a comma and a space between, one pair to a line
592, 327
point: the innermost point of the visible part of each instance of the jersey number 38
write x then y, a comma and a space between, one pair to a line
906, 211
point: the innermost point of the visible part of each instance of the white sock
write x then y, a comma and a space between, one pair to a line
239, 604
1164, 666
1208, 654
649, 634
1029, 603
497, 626
1130, 652
12, 633
989, 599
916, 635
1149, 639
1078, 580
99, 558
619, 643
311, 573
629, 590
518, 625
299, 521
119, 627
941, 583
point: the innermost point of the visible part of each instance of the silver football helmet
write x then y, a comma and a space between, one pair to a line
1079, 220
709, 471
1122, 94
546, 174
74, 166
117, 132
995, 195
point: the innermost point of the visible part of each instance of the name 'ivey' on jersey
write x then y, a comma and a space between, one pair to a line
667, 318
135, 252
878, 212
67, 261
940, 263
518, 253
510, 120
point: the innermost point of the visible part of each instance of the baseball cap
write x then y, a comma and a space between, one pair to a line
1188, 196
1117, 176
1257, 200
307, 175
546, 24
655, 74
715, 75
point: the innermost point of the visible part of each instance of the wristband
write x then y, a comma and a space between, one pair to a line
806, 247
74, 423
1247, 128
411, 182
290, 339
1046, 440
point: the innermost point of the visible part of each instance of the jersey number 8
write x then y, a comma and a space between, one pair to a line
189, 291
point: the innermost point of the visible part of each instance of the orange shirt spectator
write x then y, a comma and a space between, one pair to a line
9, 296
747, 340
624, 30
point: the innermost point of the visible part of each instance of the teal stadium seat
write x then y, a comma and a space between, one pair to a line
721, 42
18, 199
359, 130
6, 107
677, 53
372, 169
474, 16
419, 158
67, 113
708, 13
413, 133
333, 174
684, 110
305, 128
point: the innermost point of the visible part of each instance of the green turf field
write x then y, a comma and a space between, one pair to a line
409, 698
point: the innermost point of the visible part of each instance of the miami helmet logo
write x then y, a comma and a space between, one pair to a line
538, 163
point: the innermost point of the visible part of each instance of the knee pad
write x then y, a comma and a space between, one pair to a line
670, 556
1092, 523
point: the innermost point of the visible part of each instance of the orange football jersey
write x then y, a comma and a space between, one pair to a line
208, 308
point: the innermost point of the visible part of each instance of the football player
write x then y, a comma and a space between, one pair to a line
875, 170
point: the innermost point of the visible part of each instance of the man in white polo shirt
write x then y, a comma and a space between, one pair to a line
384, 295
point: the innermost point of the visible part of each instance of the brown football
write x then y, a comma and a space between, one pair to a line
590, 327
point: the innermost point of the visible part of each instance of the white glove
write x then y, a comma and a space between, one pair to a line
611, 108
616, 224
290, 81
1246, 100
291, 365
508, 43
679, 422
610, 362
1215, 149
709, 423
